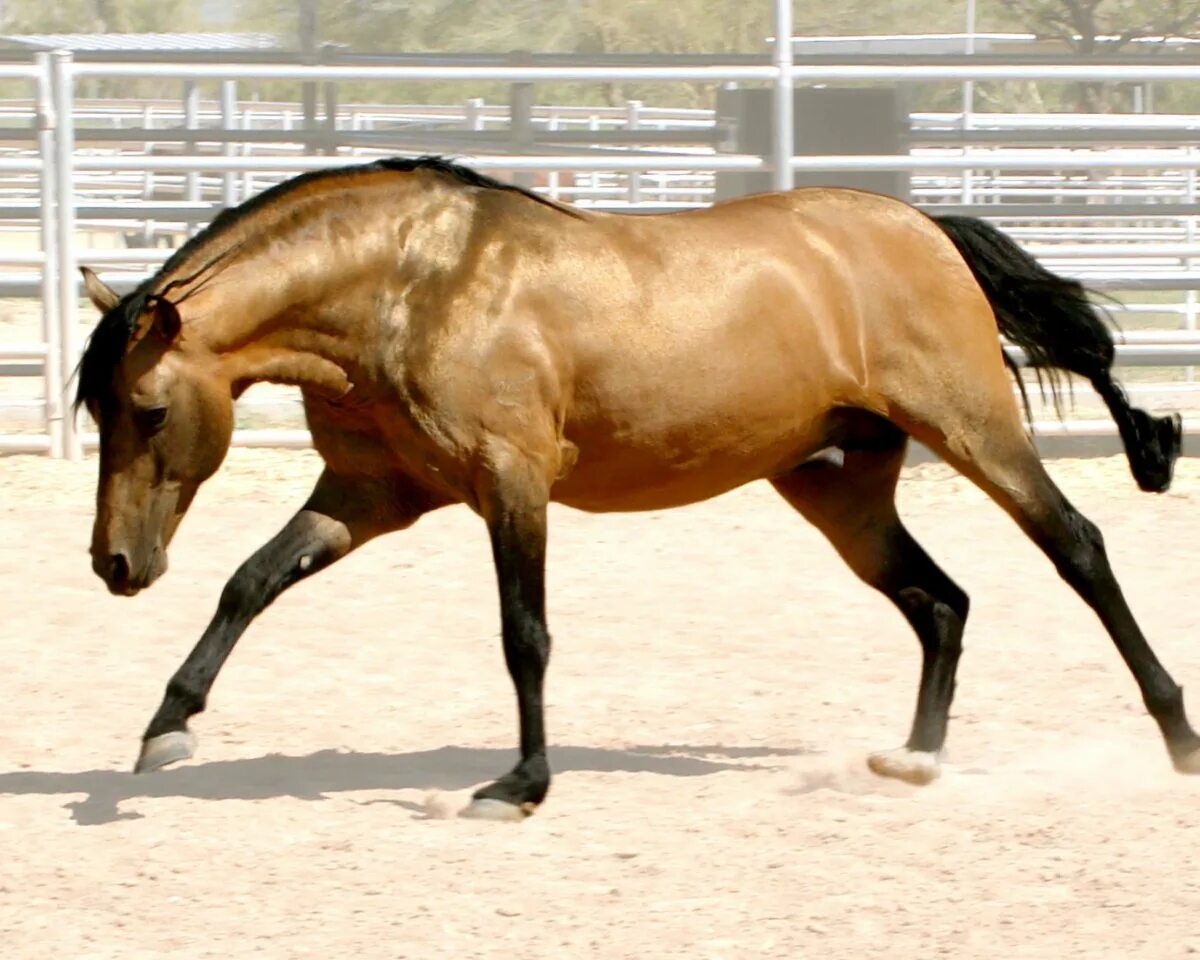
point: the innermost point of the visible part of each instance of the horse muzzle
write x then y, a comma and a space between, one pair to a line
122, 578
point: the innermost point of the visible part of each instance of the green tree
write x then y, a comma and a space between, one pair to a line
1092, 28
104, 16
718, 27
587, 27
1102, 26
99, 16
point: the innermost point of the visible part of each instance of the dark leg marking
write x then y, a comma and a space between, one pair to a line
338, 517
519, 550
1008, 469
1075, 546
854, 506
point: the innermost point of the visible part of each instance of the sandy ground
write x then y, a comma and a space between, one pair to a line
717, 680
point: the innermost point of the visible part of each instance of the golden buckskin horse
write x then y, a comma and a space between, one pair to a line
459, 340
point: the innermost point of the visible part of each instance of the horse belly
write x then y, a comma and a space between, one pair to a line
630, 459
694, 413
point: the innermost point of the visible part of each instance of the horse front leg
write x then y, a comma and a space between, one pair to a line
516, 518
340, 515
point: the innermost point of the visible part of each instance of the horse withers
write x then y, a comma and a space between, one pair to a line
458, 340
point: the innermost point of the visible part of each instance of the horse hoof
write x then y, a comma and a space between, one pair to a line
918, 767
165, 749
1188, 762
484, 808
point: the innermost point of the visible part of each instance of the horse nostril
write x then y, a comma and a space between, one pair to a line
118, 568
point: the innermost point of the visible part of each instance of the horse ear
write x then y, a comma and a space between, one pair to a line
167, 323
99, 292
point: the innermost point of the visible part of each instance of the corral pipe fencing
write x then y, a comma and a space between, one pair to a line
54, 77
47, 355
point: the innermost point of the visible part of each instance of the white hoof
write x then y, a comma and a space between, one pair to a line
1188, 763
912, 766
166, 748
486, 809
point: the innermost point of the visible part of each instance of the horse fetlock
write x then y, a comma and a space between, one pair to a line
165, 749
523, 789
182, 699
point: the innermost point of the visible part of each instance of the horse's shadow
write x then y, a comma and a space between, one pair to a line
316, 775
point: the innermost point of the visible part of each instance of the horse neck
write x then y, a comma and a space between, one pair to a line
284, 312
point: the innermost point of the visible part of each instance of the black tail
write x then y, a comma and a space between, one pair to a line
1052, 320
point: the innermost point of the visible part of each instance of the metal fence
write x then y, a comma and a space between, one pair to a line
1142, 198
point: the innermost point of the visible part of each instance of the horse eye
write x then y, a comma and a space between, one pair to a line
151, 421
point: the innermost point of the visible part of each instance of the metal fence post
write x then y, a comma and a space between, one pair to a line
329, 140
148, 182
247, 150
473, 113
191, 121
782, 176
52, 369
229, 99
552, 177
1189, 301
633, 110
520, 117
968, 104
68, 273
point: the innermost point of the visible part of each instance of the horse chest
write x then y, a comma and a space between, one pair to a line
365, 434
346, 434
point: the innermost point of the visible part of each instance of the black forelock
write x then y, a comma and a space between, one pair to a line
106, 347
110, 339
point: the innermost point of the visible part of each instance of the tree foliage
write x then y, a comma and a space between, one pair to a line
589, 27
592, 26
1104, 27
717, 27
1096, 26
99, 16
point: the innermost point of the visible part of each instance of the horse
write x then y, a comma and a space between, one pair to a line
459, 340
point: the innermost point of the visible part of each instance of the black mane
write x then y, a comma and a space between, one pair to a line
110, 339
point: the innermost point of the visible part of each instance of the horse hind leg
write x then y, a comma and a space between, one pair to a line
853, 504
997, 455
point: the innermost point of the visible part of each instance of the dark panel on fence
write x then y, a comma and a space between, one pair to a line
852, 121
